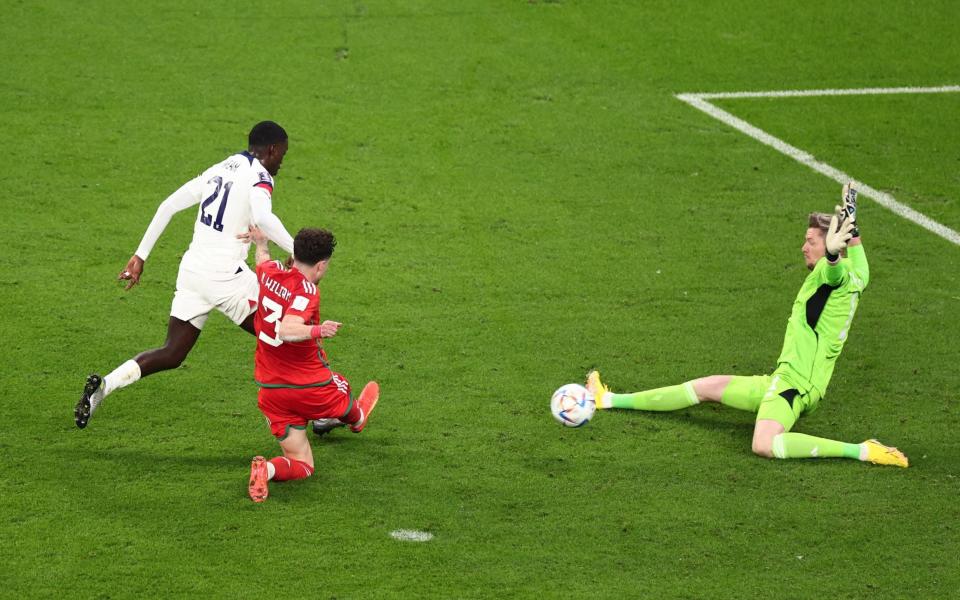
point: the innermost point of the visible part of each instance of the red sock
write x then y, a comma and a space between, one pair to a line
287, 469
353, 417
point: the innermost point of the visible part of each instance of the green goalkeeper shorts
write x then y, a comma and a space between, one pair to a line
773, 396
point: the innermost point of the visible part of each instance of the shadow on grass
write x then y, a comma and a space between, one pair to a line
148, 456
732, 428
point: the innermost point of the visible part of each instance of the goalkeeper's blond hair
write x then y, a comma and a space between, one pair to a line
819, 220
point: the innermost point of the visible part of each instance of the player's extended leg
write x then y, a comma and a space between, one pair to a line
296, 463
359, 413
181, 337
743, 393
673, 397
356, 413
772, 437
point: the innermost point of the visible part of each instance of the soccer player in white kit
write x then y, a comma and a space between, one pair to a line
233, 195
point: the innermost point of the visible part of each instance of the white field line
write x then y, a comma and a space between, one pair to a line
829, 92
411, 535
699, 101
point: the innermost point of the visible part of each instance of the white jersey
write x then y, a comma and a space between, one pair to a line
232, 195
225, 213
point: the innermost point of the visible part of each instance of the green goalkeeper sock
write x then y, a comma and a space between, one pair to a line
799, 445
674, 397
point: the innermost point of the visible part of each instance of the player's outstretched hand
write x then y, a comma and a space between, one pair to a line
329, 328
132, 271
850, 206
254, 235
840, 232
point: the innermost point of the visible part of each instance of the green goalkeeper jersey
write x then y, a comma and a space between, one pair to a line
821, 319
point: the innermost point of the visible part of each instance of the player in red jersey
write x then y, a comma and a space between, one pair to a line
296, 383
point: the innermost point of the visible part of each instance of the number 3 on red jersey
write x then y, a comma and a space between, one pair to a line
272, 319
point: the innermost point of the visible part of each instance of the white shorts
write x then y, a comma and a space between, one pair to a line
199, 293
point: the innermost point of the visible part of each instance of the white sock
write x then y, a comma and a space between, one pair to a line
271, 470
864, 451
603, 400
121, 377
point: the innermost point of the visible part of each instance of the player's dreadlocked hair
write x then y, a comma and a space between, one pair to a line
266, 133
820, 221
310, 246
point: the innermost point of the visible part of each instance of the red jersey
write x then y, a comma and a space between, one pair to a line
287, 364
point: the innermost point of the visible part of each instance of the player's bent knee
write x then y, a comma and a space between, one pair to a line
763, 447
764, 434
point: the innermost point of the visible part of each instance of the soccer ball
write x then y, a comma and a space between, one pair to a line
572, 405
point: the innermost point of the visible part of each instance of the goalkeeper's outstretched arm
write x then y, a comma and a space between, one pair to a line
855, 251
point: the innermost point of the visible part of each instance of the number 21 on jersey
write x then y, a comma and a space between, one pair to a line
207, 219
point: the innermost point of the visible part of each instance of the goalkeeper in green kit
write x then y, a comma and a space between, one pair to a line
816, 331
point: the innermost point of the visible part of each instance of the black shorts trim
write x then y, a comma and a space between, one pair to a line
789, 396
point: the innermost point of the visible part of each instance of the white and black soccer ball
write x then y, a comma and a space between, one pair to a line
572, 405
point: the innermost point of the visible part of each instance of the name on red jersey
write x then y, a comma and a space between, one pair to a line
275, 287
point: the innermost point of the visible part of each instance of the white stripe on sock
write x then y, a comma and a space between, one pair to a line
778, 450
691, 393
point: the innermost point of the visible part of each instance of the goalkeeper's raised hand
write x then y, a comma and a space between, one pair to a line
850, 206
840, 232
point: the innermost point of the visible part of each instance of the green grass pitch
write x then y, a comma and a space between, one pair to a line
518, 196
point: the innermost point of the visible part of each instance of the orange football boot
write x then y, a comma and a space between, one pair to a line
258, 479
367, 401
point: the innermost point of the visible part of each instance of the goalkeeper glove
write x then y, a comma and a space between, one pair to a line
850, 207
840, 232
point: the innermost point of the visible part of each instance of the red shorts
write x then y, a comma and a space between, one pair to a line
293, 407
